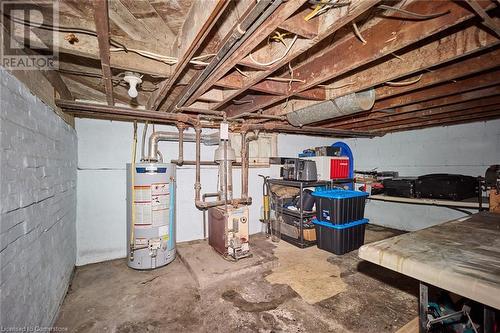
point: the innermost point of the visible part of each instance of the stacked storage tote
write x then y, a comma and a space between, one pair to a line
340, 222
150, 215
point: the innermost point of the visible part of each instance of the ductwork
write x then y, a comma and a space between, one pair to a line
333, 108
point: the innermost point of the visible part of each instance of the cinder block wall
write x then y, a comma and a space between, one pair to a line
38, 160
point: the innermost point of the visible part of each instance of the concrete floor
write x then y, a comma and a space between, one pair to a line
109, 297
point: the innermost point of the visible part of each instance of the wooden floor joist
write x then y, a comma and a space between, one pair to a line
332, 61
102, 26
428, 61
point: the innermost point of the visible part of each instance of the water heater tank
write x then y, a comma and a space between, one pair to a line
150, 215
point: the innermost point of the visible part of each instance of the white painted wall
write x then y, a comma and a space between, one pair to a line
104, 147
464, 149
37, 207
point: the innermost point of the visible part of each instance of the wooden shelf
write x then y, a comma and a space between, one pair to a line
431, 202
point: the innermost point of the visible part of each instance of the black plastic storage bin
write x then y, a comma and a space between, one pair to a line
340, 239
340, 206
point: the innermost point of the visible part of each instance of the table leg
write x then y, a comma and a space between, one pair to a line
422, 308
488, 319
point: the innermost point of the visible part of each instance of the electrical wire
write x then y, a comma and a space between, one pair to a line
169, 60
288, 48
118, 46
358, 33
282, 79
404, 83
240, 71
413, 14
64, 29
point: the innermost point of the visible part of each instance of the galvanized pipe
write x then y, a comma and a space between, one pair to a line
180, 159
256, 116
203, 111
143, 142
245, 140
116, 112
331, 132
201, 204
197, 184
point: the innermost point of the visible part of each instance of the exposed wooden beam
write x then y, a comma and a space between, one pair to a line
384, 38
102, 27
340, 17
442, 101
483, 116
455, 46
487, 20
267, 28
471, 65
58, 84
461, 86
199, 21
447, 110
297, 25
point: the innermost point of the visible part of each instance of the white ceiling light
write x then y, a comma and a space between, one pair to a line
133, 79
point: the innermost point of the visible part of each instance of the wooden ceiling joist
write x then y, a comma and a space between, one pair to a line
267, 28
444, 121
478, 105
342, 16
471, 65
383, 39
201, 18
442, 101
102, 27
446, 89
440, 68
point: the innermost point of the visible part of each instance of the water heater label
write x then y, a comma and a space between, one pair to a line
142, 202
160, 203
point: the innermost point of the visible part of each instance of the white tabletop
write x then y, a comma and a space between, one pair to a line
461, 256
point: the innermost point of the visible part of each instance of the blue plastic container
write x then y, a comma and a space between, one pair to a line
340, 239
340, 206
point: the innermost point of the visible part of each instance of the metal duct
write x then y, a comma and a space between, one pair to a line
333, 108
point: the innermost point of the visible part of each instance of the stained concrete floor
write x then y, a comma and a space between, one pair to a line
109, 297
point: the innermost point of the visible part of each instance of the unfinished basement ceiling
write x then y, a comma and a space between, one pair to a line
431, 63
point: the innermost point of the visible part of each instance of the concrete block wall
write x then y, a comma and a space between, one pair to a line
38, 160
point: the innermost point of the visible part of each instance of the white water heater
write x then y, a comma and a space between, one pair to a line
150, 215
